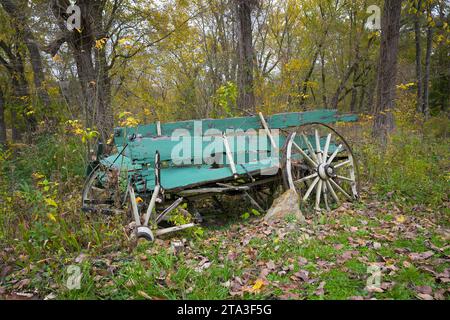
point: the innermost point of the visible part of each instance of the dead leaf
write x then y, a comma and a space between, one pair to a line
259, 283
376, 245
420, 256
290, 296
302, 261
144, 295
320, 289
270, 265
302, 275
81, 257
424, 289
22, 283
424, 296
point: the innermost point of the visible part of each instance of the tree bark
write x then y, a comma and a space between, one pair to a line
426, 80
387, 70
246, 98
418, 57
323, 77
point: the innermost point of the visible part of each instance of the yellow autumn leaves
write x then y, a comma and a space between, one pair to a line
126, 119
75, 127
48, 193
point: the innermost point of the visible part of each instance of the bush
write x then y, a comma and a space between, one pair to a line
413, 168
57, 156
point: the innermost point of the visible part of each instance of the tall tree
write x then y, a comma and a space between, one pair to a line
426, 80
87, 46
12, 60
246, 98
16, 11
417, 15
387, 70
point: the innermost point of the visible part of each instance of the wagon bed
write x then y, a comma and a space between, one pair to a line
286, 152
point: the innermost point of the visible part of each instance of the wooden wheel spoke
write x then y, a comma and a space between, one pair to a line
319, 150
333, 193
344, 178
310, 148
318, 194
334, 154
304, 154
327, 146
306, 178
342, 164
310, 189
325, 195
340, 189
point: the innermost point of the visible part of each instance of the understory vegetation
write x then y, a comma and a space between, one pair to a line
401, 225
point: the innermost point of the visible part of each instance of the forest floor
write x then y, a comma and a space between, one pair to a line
335, 256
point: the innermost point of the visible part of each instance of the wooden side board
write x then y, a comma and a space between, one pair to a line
211, 126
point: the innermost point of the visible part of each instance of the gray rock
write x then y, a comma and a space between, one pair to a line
286, 204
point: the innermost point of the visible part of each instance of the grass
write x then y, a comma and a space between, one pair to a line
403, 210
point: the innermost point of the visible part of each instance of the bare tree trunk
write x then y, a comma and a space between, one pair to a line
387, 70
324, 89
304, 83
91, 62
425, 105
354, 99
418, 57
2, 120
246, 98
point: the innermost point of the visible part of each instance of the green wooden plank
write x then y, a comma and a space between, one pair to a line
180, 177
277, 121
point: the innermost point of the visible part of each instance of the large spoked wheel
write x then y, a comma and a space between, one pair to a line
103, 191
320, 166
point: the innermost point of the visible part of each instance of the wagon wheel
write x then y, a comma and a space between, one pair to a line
320, 166
102, 191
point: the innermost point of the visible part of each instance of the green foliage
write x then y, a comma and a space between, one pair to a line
54, 155
247, 215
413, 168
226, 97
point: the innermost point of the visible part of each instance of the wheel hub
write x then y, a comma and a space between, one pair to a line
325, 171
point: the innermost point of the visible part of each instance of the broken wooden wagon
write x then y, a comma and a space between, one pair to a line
160, 165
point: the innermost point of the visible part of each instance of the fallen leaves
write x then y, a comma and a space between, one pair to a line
320, 291
424, 296
400, 218
259, 283
420, 256
302, 275
203, 265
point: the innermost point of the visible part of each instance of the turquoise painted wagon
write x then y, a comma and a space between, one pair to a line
158, 166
